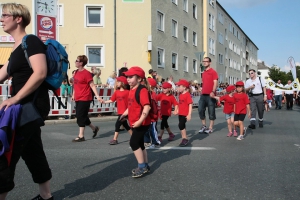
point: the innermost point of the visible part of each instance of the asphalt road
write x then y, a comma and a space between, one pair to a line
265, 165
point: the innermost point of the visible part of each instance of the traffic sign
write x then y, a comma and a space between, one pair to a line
46, 27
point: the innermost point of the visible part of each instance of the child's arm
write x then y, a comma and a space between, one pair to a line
249, 111
189, 116
124, 114
143, 117
217, 98
175, 112
108, 101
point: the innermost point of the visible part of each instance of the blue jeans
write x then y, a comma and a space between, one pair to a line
278, 100
151, 136
210, 103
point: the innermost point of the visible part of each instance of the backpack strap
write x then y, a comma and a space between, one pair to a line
137, 93
24, 47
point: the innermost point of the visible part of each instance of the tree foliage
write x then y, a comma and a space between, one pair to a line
276, 74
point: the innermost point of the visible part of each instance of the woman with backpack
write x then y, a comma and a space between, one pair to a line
82, 95
138, 118
28, 84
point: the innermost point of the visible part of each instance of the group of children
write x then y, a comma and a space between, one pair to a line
134, 114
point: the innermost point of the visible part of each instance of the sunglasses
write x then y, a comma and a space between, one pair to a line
251, 73
6, 15
205, 61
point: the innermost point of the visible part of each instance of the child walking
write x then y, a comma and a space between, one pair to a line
121, 97
241, 106
151, 136
167, 100
229, 109
138, 118
184, 108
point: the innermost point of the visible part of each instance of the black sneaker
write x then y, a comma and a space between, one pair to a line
261, 125
252, 126
134, 170
95, 131
138, 172
38, 197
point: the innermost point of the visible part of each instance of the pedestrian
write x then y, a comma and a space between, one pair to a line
229, 109
289, 95
241, 107
138, 118
151, 137
28, 83
256, 89
209, 86
167, 100
268, 103
121, 97
111, 80
96, 78
278, 94
171, 81
82, 95
184, 108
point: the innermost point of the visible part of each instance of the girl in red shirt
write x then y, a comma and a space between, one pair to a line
229, 109
241, 105
167, 100
138, 118
184, 108
121, 97
268, 103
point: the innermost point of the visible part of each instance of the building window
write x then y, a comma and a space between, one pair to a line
185, 5
220, 59
230, 27
175, 2
212, 3
194, 11
160, 57
174, 61
211, 20
226, 56
174, 28
60, 15
95, 54
194, 66
185, 34
194, 38
94, 15
221, 40
211, 46
160, 21
221, 19
185, 64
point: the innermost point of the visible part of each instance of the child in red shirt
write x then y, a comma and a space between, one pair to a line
184, 108
121, 97
229, 109
268, 103
151, 139
241, 105
138, 118
167, 100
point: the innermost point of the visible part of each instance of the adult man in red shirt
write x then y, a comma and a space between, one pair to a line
209, 85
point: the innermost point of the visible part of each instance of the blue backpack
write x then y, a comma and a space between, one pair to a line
57, 62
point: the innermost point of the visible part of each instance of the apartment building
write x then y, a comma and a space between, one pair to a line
165, 35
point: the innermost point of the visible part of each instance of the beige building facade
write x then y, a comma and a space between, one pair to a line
165, 35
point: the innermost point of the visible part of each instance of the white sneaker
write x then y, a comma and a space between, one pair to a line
203, 129
208, 130
240, 137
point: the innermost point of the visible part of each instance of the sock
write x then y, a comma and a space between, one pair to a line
142, 165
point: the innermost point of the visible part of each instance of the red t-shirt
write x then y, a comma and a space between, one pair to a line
81, 85
135, 109
269, 94
228, 103
208, 77
166, 102
122, 100
241, 101
184, 101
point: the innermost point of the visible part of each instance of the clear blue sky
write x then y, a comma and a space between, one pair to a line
273, 25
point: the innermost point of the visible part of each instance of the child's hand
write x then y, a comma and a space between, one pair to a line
175, 112
249, 115
137, 124
188, 118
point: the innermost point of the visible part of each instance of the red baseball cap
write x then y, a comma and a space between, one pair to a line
230, 88
122, 79
239, 83
135, 70
166, 85
152, 82
183, 82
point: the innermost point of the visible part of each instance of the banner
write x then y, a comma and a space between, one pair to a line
291, 63
270, 84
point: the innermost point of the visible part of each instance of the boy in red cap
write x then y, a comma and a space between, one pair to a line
241, 105
138, 118
151, 137
229, 109
184, 109
167, 100
121, 97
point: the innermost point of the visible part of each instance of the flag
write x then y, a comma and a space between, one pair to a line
291, 63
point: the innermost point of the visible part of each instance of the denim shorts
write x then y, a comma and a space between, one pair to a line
228, 116
206, 101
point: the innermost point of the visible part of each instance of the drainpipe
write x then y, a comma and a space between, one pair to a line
115, 36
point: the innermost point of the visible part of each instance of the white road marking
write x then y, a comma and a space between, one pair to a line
184, 148
297, 145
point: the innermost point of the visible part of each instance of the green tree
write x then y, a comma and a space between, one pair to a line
275, 74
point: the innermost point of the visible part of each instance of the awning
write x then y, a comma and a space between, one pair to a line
4, 54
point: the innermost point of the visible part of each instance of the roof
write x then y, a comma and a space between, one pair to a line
261, 65
5, 54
